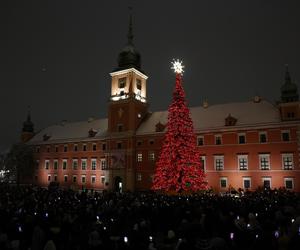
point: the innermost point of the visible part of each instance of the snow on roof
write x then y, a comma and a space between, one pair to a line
71, 131
246, 113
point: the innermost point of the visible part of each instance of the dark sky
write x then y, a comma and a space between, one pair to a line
56, 56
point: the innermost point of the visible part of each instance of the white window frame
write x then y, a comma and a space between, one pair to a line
103, 164
289, 179
63, 162
73, 179
241, 134
83, 176
73, 164
102, 179
139, 157
267, 179
239, 163
203, 159
49, 178
223, 178
218, 157
93, 164
200, 137
84, 162
221, 141
267, 156
95, 178
47, 164
139, 177
286, 155
55, 161
263, 133
247, 179
151, 156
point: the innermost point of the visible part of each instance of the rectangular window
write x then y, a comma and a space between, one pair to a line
243, 162
120, 127
287, 161
103, 164
223, 182
139, 176
74, 178
37, 149
93, 179
56, 149
55, 164
139, 157
247, 182
94, 164
47, 164
65, 148
94, 146
104, 146
139, 84
49, 177
242, 138
65, 164
84, 147
151, 142
218, 139
55, 178
83, 179
75, 147
200, 141
264, 161
285, 135
266, 182
203, 162
289, 183
151, 156
83, 164
122, 83
262, 137
75, 164
103, 179
65, 178
219, 162
119, 145
48, 149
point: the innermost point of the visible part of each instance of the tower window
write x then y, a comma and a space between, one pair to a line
138, 84
122, 83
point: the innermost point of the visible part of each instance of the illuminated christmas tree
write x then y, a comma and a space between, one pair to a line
179, 166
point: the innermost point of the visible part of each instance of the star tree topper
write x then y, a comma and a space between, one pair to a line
177, 66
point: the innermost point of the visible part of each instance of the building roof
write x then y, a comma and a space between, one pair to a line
72, 130
212, 117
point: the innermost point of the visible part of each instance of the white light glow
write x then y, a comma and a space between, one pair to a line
177, 66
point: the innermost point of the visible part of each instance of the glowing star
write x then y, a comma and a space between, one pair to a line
177, 66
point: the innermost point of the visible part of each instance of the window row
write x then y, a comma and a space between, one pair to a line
74, 147
287, 162
74, 178
75, 164
241, 138
288, 182
151, 157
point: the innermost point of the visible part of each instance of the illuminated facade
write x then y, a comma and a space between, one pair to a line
243, 145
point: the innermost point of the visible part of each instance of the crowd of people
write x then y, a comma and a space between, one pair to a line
47, 219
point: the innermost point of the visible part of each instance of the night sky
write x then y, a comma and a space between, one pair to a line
56, 56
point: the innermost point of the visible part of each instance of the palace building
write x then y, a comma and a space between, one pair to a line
242, 145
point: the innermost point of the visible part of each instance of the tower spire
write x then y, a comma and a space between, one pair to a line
130, 33
287, 75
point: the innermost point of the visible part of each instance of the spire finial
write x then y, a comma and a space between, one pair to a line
287, 74
130, 33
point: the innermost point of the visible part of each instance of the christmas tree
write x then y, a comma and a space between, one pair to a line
179, 166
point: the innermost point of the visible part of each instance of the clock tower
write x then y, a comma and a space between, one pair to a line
126, 110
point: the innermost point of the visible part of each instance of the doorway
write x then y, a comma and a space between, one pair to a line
118, 184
